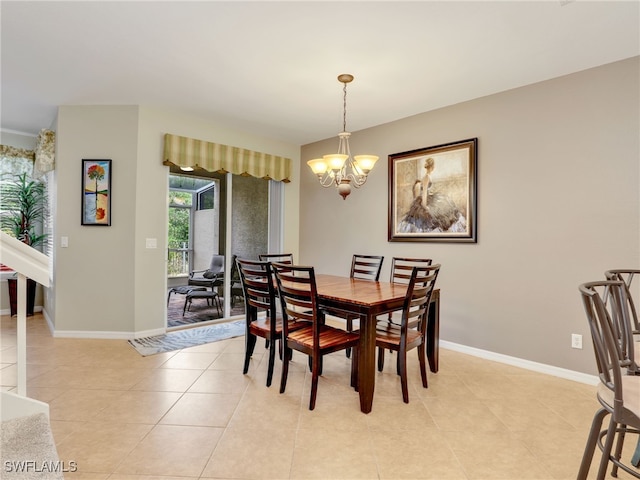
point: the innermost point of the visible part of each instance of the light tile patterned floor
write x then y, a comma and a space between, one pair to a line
191, 414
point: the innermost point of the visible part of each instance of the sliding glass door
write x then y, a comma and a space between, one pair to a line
216, 214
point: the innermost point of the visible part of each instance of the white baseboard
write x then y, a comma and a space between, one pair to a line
97, 334
521, 363
105, 335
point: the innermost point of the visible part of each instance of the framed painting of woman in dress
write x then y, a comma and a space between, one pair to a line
433, 193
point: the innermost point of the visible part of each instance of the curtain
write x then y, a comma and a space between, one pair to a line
45, 153
215, 157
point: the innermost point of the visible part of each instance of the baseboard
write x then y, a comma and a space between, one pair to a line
105, 335
521, 363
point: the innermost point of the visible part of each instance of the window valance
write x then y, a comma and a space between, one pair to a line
9, 151
215, 157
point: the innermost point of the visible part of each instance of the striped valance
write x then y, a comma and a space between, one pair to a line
214, 157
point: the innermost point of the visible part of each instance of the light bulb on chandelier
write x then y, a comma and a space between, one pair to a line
340, 170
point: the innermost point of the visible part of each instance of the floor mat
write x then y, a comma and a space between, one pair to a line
189, 337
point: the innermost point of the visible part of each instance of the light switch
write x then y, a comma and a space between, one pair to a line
152, 243
64, 242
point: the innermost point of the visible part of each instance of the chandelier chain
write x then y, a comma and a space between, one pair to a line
344, 108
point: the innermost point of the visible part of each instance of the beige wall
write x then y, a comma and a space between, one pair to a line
558, 176
94, 278
107, 283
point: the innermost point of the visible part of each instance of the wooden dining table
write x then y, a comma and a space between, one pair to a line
368, 299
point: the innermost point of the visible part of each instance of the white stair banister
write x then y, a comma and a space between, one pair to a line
33, 264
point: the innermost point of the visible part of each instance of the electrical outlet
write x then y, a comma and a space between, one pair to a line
576, 340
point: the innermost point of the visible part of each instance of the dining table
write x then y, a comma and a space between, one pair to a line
368, 299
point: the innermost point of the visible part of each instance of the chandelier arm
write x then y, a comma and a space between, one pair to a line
328, 180
357, 180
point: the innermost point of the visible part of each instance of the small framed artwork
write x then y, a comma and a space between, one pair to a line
433, 193
96, 192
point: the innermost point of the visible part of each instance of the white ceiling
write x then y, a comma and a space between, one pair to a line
270, 68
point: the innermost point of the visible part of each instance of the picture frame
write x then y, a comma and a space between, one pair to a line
96, 192
433, 193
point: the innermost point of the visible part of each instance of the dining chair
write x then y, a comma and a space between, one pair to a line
401, 270
627, 276
276, 257
299, 299
618, 393
260, 296
403, 337
365, 267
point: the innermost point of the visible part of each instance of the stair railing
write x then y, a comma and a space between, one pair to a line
27, 262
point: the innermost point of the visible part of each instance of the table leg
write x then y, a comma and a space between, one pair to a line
366, 362
433, 331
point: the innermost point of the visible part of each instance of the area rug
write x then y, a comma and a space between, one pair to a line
189, 337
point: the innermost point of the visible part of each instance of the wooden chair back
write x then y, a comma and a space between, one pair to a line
257, 286
298, 294
416, 305
366, 267
402, 268
277, 258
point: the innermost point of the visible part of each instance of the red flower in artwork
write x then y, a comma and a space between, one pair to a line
100, 213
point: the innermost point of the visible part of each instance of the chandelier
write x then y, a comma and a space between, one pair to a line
340, 169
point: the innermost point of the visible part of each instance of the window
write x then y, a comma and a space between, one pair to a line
179, 228
17, 161
188, 196
207, 198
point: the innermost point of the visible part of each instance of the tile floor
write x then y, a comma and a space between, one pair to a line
191, 414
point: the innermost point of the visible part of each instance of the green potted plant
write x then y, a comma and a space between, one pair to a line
22, 209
